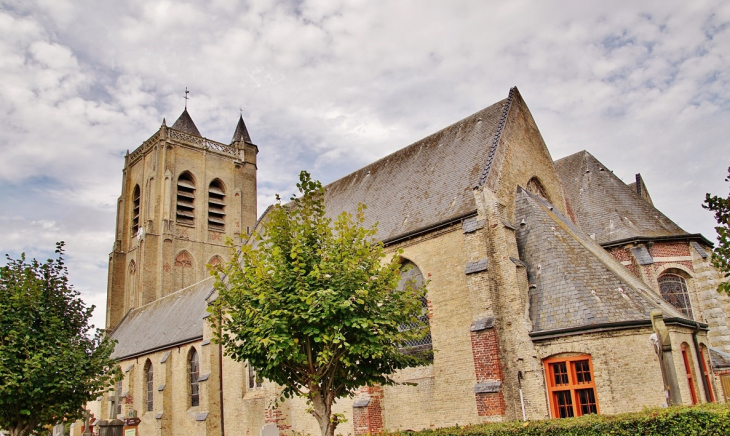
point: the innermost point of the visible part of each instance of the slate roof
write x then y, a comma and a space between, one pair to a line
423, 184
719, 359
605, 206
185, 124
577, 284
174, 319
241, 133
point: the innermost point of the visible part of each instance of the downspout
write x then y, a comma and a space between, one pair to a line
220, 377
522, 398
702, 369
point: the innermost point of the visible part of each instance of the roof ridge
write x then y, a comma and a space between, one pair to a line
497, 135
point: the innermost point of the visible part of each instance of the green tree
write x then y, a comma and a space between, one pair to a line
721, 253
50, 365
310, 304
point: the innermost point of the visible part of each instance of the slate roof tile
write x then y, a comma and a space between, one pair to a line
578, 283
173, 319
605, 206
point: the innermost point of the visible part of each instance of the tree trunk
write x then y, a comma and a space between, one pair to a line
323, 413
21, 429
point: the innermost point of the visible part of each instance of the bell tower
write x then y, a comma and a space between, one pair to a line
182, 196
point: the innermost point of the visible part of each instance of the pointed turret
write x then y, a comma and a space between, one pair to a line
185, 124
241, 133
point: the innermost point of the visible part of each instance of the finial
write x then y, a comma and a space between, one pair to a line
186, 97
164, 123
241, 111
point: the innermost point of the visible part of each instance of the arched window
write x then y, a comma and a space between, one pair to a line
216, 206
135, 210
149, 377
215, 261
535, 187
687, 358
410, 273
185, 199
194, 370
704, 360
184, 271
674, 291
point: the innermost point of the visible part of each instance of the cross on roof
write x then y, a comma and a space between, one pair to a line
186, 97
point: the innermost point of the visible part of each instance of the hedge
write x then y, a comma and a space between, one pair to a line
701, 420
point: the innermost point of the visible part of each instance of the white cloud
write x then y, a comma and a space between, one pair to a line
332, 85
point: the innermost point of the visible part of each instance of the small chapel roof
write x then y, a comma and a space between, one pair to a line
172, 320
575, 283
720, 359
607, 207
185, 124
241, 133
426, 183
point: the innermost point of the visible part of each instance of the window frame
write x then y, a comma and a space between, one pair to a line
136, 207
689, 373
572, 386
194, 374
185, 199
216, 206
667, 278
425, 345
149, 375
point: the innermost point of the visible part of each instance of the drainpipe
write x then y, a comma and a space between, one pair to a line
220, 376
699, 356
522, 398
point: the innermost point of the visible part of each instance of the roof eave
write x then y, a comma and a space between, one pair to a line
643, 239
610, 326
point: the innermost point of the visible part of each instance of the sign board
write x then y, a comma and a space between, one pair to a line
130, 432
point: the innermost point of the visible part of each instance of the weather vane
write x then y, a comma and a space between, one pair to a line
240, 110
186, 97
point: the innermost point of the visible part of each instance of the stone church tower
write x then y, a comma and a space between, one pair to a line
182, 196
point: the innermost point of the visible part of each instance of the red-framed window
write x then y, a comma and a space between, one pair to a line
687, 357
703, 361
571, 386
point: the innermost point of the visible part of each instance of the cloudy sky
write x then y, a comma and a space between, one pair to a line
330, 85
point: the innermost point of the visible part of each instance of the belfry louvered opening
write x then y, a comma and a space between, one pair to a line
185, 199
216, 206
135, 210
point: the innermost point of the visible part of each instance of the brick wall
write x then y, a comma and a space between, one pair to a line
369, 419
488, 367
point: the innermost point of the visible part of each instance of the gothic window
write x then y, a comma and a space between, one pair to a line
216, 206
674, 291
194, 370
215, 261
184, 272
185, 199
149, 378
535, 187
571, 386
135, 210
687, 358
410, 274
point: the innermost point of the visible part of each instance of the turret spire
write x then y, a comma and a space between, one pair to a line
241, 133
185, 124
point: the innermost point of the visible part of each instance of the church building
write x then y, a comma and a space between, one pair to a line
555, 289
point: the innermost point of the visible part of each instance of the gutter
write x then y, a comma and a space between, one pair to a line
413, 233
611, 326
644, 239
700, 356
160, 348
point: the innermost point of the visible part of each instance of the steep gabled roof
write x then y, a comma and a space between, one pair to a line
241, 133
185, 124
605, 206
575, 283
172, 320
426, 183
